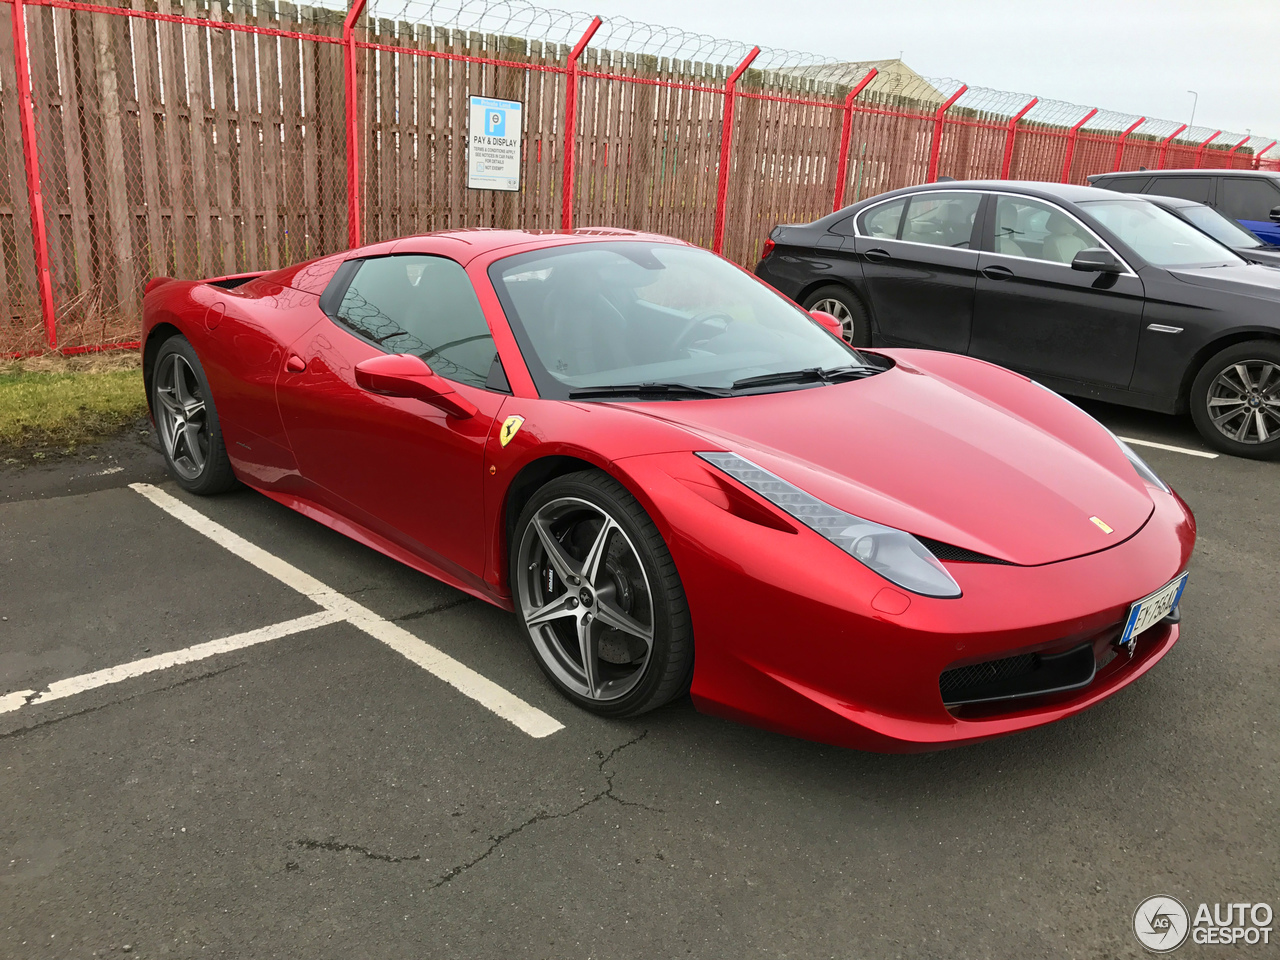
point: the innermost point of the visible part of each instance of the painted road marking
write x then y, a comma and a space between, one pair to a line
436, 662
162, 661
1164, 446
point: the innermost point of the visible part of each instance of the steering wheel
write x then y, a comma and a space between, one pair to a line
685, 337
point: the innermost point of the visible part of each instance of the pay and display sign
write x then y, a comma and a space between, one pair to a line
493, 144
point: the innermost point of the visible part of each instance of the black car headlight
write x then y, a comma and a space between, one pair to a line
894, 554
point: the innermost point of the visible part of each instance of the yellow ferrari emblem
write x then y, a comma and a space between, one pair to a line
511, 426
1102, 524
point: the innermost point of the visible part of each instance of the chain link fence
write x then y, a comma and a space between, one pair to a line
198, 138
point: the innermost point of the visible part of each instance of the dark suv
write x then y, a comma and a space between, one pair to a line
1251, 197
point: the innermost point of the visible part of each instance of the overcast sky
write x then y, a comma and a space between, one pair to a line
1134, 56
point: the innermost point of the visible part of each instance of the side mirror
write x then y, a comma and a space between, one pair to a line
1096, 260
404, 375
1275, 214
827, 321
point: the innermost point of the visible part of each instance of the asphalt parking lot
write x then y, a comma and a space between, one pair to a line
339, 784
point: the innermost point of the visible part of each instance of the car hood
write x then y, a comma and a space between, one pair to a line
944, 447
1249, 280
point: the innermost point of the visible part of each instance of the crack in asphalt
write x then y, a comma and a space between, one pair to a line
334, 846
419, 614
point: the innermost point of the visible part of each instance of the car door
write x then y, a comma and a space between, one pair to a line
1250, 200
400, 467
919, 267
1032, 312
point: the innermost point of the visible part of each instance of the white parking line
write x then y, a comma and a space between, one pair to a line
1164, 446
162, 661
436, 662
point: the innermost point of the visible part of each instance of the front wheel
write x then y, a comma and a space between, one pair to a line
845, 306
598, 594
187, 421
1235, 400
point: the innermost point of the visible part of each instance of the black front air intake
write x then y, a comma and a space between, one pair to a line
1026, 675
945, 551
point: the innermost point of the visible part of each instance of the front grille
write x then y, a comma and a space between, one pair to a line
1025, 675
946, 551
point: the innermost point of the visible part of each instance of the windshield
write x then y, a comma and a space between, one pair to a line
1220, 228
1158, 236
600, 315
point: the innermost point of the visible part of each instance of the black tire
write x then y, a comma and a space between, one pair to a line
628, 684
857, 323
1220, 391
191, 441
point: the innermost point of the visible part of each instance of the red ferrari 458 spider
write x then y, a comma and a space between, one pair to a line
680, 481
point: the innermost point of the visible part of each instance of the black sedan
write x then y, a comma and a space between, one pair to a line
1091, 293
1223, 229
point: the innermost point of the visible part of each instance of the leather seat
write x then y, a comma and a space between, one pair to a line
1064, 240
1006, 229
583, 331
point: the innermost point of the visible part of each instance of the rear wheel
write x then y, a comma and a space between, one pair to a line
1235, 400
845, 306
599, 597
187, 421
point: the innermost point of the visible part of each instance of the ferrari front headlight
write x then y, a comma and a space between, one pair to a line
894, 554
1140, 465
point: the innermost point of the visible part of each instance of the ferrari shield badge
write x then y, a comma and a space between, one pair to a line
510, 427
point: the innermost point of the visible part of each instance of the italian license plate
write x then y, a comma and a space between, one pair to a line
1151, 610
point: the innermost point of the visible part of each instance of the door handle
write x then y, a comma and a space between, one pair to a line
295, 364
995, 272
876, 255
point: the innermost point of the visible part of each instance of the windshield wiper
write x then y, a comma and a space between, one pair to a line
807, 375
650, 389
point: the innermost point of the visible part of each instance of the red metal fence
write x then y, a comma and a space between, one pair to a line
201, 137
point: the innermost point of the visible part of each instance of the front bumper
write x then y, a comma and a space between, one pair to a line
794, 636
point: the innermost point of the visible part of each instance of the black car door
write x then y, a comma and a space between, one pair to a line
1032, 312
919, 266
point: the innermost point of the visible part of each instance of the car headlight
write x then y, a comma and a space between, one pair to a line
894, 554
1140, 465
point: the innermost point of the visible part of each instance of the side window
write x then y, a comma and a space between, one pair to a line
1029, 228
882, 222
1124, 184
1188, 188
425, 306
1247, 198
941, 219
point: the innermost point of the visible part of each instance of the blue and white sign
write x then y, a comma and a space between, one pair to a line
493, 144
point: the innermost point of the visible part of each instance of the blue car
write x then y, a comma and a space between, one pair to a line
1251, 197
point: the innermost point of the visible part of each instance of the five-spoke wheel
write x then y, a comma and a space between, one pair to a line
187, 421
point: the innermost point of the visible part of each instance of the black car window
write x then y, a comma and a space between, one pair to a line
942, 219
1188, 188
425, 306
1038, 231
1124, 184
883, 221
1248, 198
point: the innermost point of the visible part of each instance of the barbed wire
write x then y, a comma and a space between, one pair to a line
621, 35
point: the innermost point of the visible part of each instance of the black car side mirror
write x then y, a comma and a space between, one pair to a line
1097, 260
1275, 214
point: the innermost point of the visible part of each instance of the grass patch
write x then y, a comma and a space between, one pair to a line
57, 406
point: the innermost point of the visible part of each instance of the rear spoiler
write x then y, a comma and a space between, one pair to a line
229, 282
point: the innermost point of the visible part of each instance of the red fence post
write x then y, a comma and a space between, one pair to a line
571, 124
1231, 154
1011, 131
353, 121
1257, 154
1123, 137
726, 149
1200, 150
1071, 144
842, 164
1164, 146
27, 121
935, 148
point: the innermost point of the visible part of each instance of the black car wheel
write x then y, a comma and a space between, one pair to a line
845, 306
1235, 400
188, 422
598, 594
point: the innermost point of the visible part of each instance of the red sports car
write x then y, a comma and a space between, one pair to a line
680, 481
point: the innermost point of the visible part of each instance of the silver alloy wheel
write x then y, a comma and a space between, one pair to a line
841, 313
584, 594
180, 416
1244, 401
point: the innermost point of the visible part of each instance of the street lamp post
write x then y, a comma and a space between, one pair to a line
1193, 107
